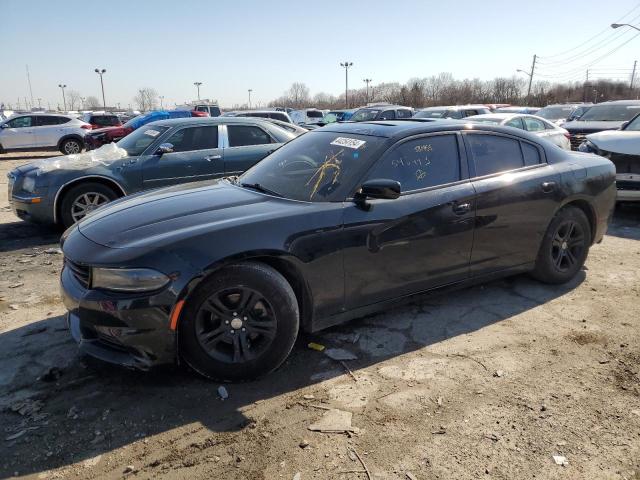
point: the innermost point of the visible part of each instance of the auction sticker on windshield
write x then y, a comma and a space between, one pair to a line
152, 133
348, 142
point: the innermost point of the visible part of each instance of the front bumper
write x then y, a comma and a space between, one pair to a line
32, 208
628, 190
124, 329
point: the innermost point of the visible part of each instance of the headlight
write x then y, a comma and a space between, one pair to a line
588, 147
29, 184
128, 279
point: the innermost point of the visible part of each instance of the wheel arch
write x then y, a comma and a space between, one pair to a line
109, 182
69, 136
587, 208
282, 262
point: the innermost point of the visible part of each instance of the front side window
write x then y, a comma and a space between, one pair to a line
194, 138
365, 115
421, 163
106, 121
533, 124
243, 135
431, 113
20, 122
402, 113
317, 166
456, 114
388, 115
494, 154
469, 113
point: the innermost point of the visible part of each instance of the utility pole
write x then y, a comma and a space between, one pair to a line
64, 100
197, 84
29, 80
633, 74
584, 87
367, 81
102, 72
346, 66
533, 67
250, 90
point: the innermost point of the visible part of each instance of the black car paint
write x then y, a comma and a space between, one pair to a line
342, 259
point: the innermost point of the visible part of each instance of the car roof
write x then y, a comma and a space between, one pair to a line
618, 102
44, 114
172, 122
455, 107
499, 116
382, 107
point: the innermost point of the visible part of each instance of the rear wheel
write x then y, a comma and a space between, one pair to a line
82, 199
564, 247
71, 146
240, 323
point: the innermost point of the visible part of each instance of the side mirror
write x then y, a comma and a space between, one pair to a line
164, 148
379, 188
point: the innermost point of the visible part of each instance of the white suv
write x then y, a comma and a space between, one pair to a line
45, 131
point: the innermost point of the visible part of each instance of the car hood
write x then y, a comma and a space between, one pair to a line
160, 217
617, 141
577, 126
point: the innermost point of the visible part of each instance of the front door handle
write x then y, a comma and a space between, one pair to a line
209, 158
548, 187
461, 208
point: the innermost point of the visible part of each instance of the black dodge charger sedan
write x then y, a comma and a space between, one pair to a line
337, 223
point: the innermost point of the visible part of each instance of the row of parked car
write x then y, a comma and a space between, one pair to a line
59, 192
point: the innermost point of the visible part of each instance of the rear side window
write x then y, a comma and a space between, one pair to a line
105, 120
402, 113
494, 154
421, 163
243, 135
533, 124
388, 115
453, 114
194, 138
469, 113
45, 121
515, 123
531, 154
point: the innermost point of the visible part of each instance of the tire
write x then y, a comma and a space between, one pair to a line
564, 248
221, 340
70, 146
83, 193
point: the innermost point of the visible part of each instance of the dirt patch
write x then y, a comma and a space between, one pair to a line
587, 338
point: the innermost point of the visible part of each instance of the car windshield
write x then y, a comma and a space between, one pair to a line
137, 142
133, 120
553, 113
365, 115
330, 118
430, 114
633, 125
317, 166
610, 113
314, 114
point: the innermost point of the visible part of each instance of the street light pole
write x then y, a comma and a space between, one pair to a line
367, 81
102, 72
64, 100
250, 90
618, 25
39, 100
346, 66
197, 84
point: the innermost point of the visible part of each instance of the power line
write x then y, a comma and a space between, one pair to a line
595, 36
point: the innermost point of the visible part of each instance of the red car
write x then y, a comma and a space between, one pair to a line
101, 120
98, 137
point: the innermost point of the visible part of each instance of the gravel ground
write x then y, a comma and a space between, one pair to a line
486, 382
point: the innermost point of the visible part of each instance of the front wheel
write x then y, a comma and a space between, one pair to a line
82, 199
71, 146
240, 323
564, 247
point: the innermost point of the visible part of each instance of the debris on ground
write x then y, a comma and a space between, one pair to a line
304, 443
53, 251
27, 407
334, 421
498, 373
308, 397
129, 469
340, 354
51, 375
222, 392
16, 285
561, 460
316, 346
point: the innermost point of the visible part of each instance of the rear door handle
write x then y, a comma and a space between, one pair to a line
461, 208
548, 187
209, 158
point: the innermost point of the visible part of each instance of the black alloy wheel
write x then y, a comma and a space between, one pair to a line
236, 325
568, 245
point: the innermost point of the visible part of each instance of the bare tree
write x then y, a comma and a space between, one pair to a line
298, 95
146, 99
74, 99
92, 102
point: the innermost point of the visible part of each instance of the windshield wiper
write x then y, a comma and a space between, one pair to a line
260, 188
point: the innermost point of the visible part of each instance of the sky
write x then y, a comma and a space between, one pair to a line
235, 45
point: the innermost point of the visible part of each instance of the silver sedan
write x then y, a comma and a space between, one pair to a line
531, 123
